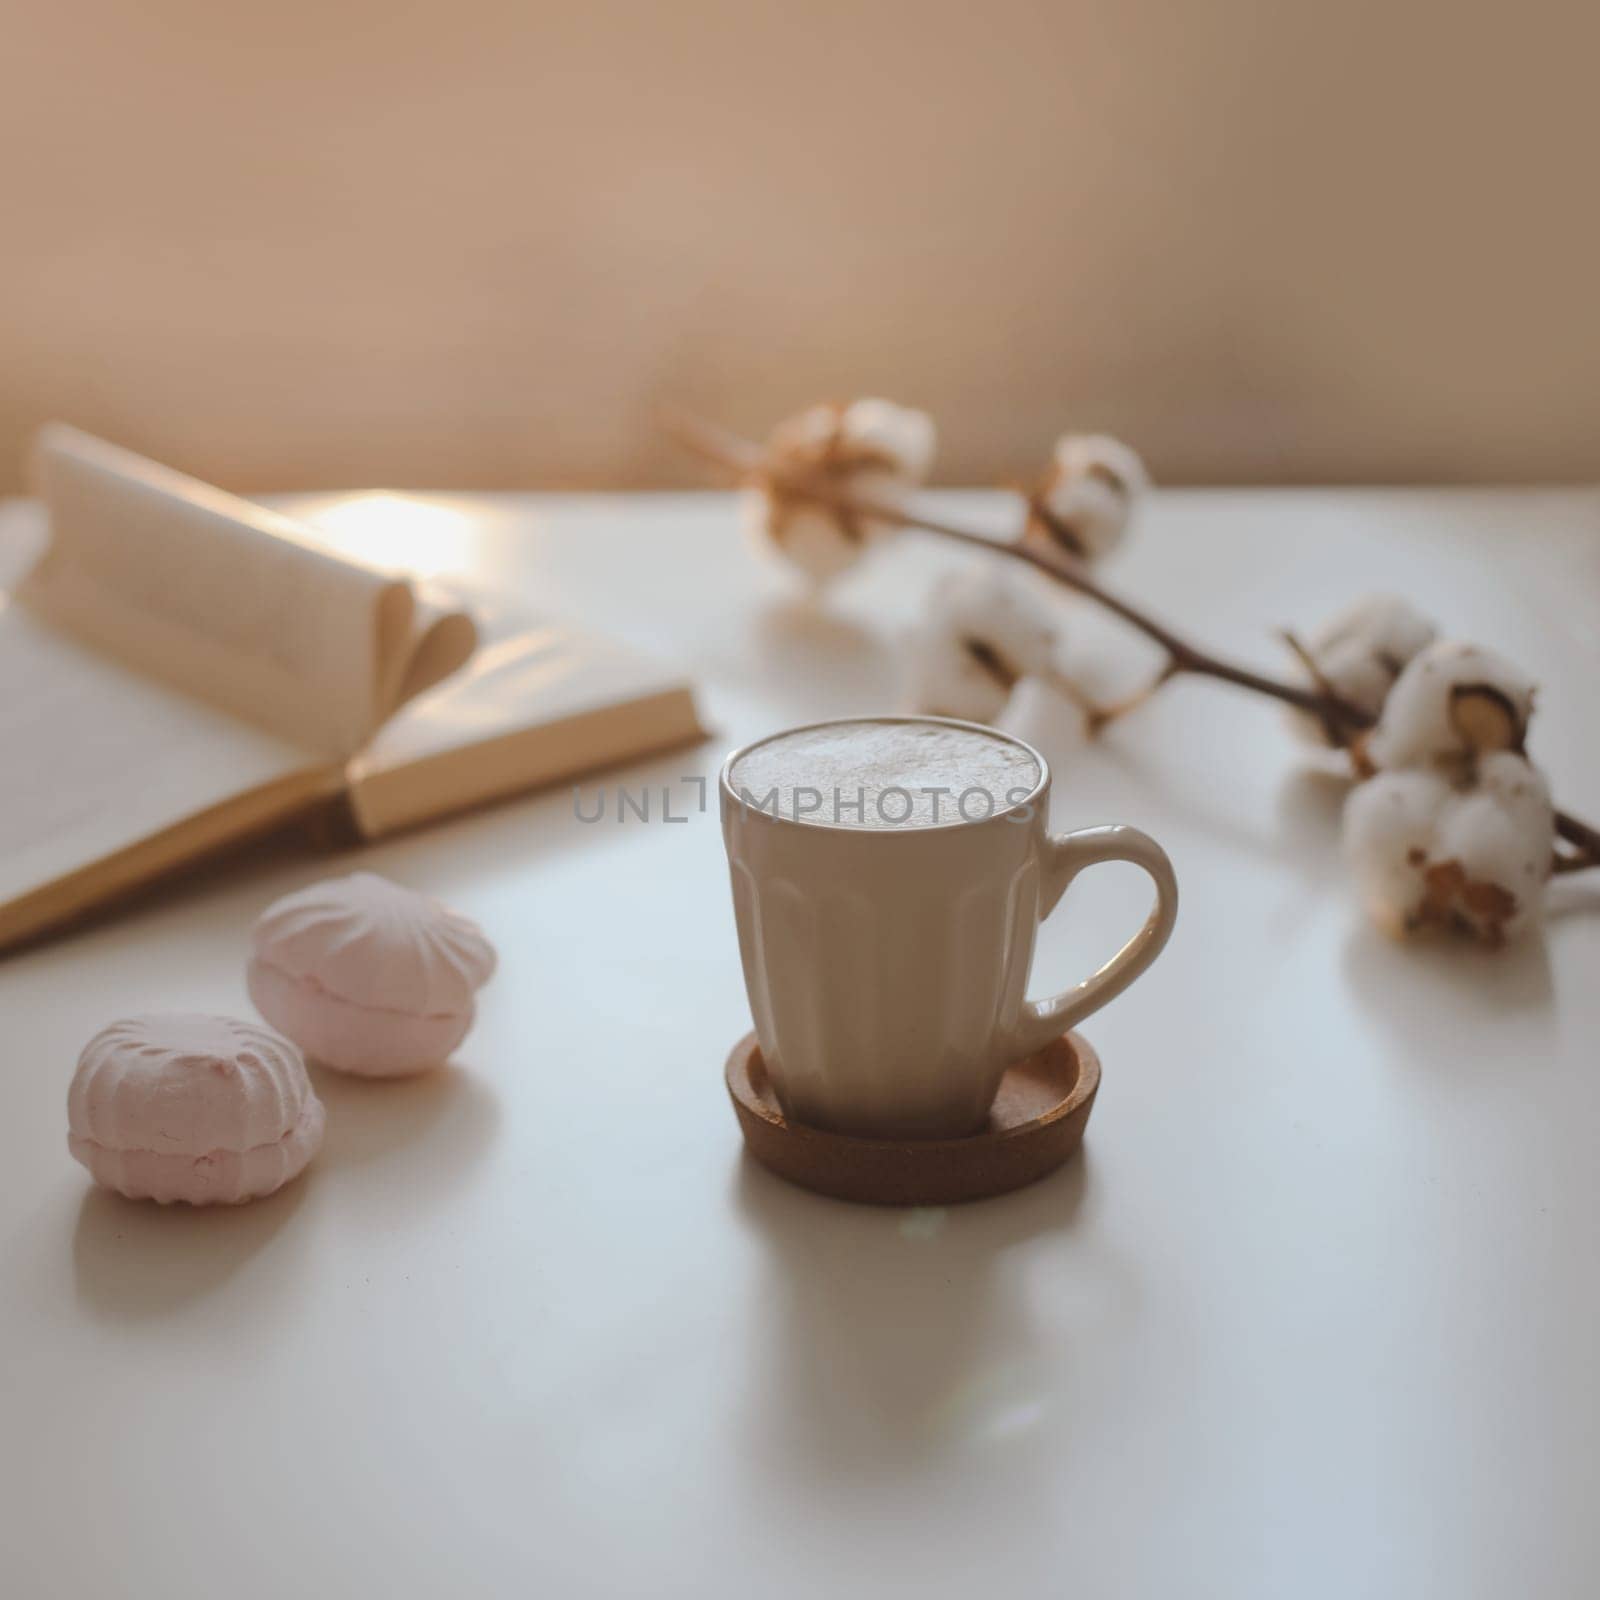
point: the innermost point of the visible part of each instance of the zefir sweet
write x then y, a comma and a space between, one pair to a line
187, 1106
367, 976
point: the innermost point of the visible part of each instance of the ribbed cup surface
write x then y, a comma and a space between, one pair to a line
886, 971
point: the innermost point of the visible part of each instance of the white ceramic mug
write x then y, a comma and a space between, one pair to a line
887, 967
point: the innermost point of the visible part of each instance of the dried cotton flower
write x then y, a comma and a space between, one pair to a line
870, 448
1361, 652
981, 636
1456, 829
1474, 859
1454, 825
1091, 491
1452, 703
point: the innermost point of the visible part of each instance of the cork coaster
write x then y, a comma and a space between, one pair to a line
1036, 1122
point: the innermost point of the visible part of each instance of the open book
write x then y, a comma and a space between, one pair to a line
183, 669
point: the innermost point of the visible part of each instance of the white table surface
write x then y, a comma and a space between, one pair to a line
1315, 1314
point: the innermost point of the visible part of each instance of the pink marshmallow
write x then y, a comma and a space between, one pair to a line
367, 976
184, 1106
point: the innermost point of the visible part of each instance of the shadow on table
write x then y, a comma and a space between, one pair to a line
1436, 990
442, 1120
898, 1336
1311, 815
134, 1259
1303, 835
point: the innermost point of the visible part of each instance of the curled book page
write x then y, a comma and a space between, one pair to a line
227, 601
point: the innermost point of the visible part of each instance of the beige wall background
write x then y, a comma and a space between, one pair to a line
314, 243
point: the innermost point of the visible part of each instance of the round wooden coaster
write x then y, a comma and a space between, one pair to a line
1036, 1122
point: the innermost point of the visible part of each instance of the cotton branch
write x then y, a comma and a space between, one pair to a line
747, 463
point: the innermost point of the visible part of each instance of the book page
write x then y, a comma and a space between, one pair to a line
444, 636
540, 700
94, 759
226, 600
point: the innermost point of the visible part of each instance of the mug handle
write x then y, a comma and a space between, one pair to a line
1065, 856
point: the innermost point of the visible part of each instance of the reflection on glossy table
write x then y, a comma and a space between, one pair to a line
1315, 1314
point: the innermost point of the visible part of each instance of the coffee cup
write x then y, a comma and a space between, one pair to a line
889, 878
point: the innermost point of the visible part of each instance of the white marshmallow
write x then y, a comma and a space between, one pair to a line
1426, 854
1451, 702
1093, 489
871, 448
981, 636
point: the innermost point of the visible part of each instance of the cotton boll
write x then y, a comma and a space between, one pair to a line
1039, 713
1522, 791
899, 434
872, 449
1088, 516
810, 538
1471, 859
944, 680
1453, 701
1494, 849
1084, 455
1362, 651
1093, 487
1389, 827
982, 635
